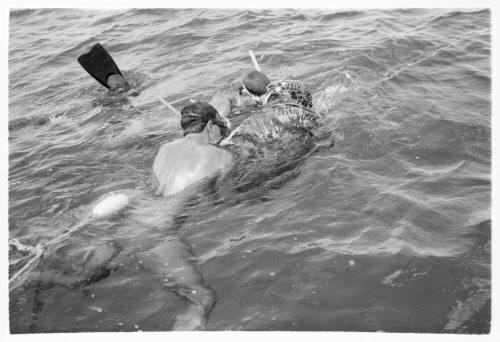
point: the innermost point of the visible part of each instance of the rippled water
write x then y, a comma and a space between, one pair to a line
387, 230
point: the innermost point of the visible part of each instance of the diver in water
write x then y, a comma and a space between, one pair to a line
285, 105
99, 64
178, 167
277, 136
254, 83
251, 89
181, 163
256, 89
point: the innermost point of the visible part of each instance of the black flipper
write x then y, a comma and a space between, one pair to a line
99, 64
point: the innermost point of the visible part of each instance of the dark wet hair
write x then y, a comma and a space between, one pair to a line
256, 82
195, 117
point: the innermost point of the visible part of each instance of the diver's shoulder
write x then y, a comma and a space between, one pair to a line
216, 150
218, 154
177, 144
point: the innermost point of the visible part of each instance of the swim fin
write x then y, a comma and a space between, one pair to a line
99, 64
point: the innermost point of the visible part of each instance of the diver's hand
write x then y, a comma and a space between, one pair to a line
247, 100
223, 106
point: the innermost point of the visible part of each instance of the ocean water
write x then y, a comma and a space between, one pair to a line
386, 229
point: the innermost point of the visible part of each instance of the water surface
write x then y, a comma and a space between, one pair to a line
390, 229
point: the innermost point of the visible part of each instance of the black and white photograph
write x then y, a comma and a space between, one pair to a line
249, 169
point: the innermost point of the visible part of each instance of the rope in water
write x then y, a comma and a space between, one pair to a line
40, 249
108, 206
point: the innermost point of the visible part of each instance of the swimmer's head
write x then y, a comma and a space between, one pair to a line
117, 82
196, 116
255, 83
